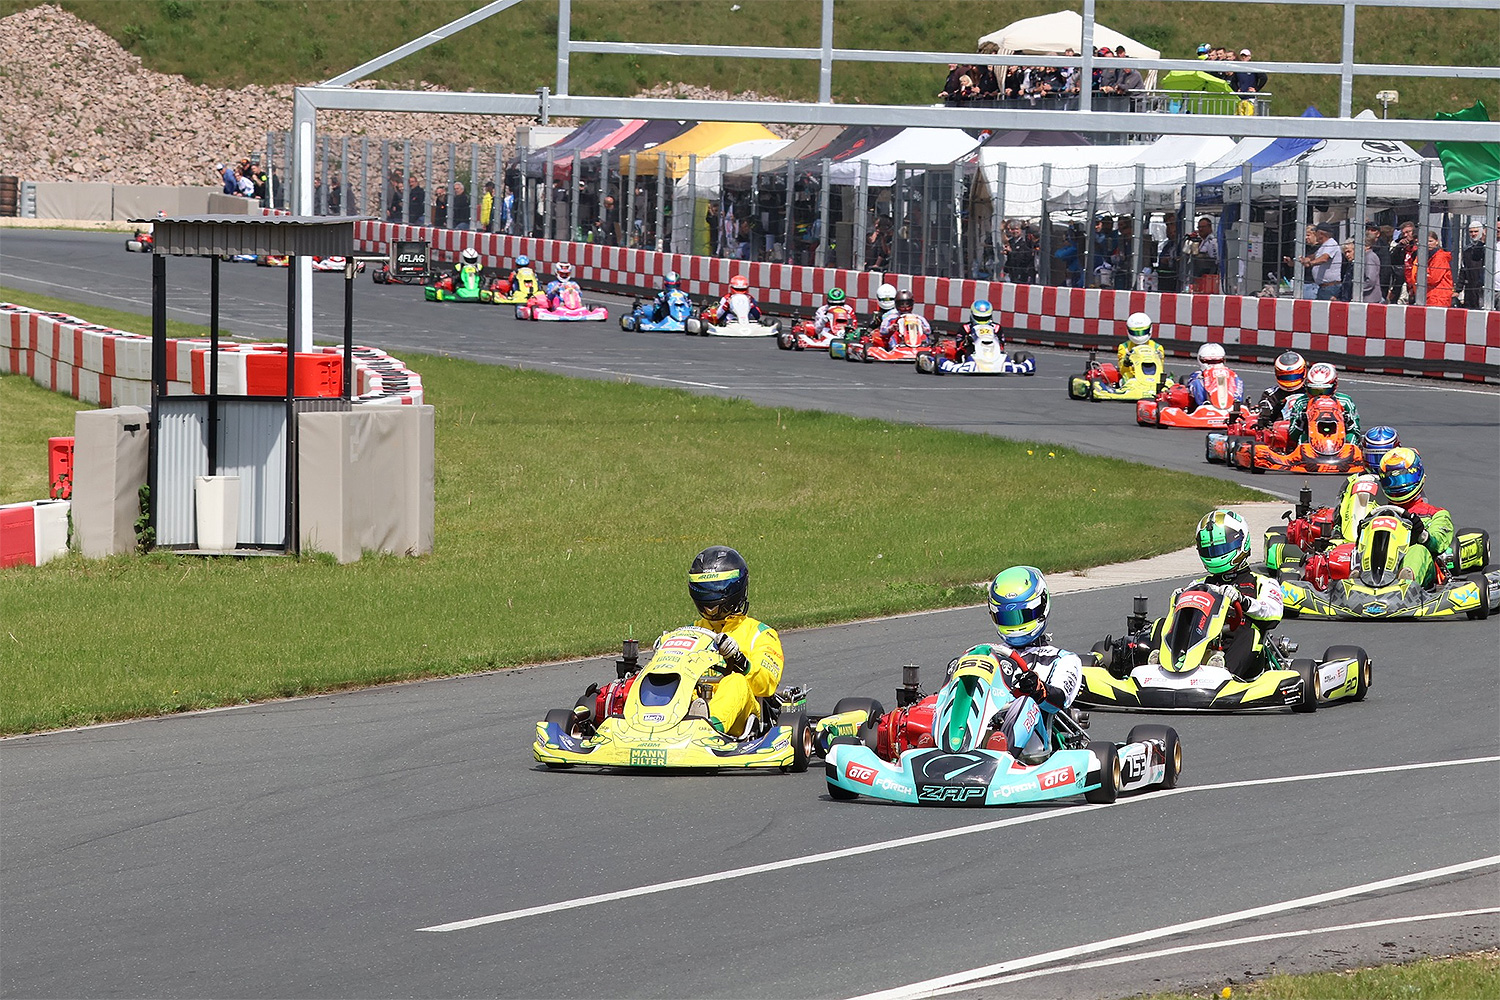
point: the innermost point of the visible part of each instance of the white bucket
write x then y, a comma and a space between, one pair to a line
218, 509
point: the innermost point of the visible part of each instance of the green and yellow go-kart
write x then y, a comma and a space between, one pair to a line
657, 717
1177, 664
1103, 381
459, 286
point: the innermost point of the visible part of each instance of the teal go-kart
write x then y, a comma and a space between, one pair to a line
975, 744
642, 315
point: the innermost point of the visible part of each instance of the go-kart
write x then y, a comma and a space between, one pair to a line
973, 743
656, 716
569, 308
643, 312
737, 324
1261, 447
382, 274
143, 241
908, 340
1102, 381
1177, 663
462, 285
331, 265
511, 291
985, 356
1345, 564
1173, 406
804, 333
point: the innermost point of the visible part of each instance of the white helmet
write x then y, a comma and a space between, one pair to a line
564, 271
469, 256
1209, 355
1138, 328
886, 296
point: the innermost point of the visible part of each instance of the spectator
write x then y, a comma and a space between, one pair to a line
713, 221
1248, 81
463, 211
416, 202
1367, 273
227, 178
1105, 244
1204, 50
1382, 258
335, 196
1020, 254
440, 207
487, 206
1201, 248
611, 221
1070, 76
1104, 76
1072, 254
1403, 254
1127, 81
1439, 274
1326, 261
1123, 259
394, 198
953, 86
1470, 277
1169, 258
1014, 83
246, 186
878, 252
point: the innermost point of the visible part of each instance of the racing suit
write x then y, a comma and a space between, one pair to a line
969, 333
733, 701
1199, 392
466, 275
519, 275
1061, 673
1427, 543
822, 318
1262, 613
1130, 353
661, 307
723, 312
1274, 402
555, 289
1297, 416
892, 323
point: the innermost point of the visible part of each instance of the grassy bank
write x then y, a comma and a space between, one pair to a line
233, 42
1465, 977
567, 511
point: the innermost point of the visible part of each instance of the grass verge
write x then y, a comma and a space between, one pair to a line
567, 511
1457, 978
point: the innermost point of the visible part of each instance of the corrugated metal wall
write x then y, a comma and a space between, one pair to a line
252, 445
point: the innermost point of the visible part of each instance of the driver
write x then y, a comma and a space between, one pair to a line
1402, 478
719, 584
1291, 372
885, 302
467, 271
671, 289
1224, 546
562, 278
833, 302
739, 284
1139, 346
521, 272
1018, 603
1322, 380
1211, 357
981, 318
889, 326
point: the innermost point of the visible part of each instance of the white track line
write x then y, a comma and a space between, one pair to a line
930, 987
1101, 963
925, 838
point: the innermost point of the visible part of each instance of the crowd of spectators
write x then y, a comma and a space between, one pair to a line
1241, 80
243, 179
1032, 84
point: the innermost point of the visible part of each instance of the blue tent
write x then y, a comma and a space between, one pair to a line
1259, 153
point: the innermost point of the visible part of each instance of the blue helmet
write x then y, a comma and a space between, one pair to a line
1018, 605
1377, 441
1401, 475
670, 281
981, 311
523, 261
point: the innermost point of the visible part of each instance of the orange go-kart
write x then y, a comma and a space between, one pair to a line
1173, 406
1328, 447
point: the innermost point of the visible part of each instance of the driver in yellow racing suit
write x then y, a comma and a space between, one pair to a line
1139, 346
1402, 479
719, 584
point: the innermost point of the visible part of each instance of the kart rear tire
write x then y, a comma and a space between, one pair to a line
1208, 450
1308, 671
1366, 671
836, 792
802, 740
1109, 773
866, 733
1170, 742
1484, 548
1483, 611
567, 722
1274, 542
1104, 653
1022, 357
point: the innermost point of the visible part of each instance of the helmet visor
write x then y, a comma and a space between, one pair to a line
715, 593
1012, 615
1220, 548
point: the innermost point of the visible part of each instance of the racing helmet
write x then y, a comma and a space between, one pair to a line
835, 296
1018, 605
1401, 475
1291, 369
719, 583
1377, 442
885, 295
670, 282
1322, 380
1138, 328
523, 261
469, 256
564, 271
904, 302
1210, 355
1223, 542
739, 283
981, 311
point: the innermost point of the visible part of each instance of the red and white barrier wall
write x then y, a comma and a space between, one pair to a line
33, 532
1446, 343
97, 364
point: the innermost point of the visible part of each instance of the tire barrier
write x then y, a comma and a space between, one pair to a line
1412, 340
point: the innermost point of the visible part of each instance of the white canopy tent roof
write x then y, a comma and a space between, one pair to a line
1050, 34
708, 183
912, 145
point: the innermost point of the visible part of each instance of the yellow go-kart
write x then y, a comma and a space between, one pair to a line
1103, 381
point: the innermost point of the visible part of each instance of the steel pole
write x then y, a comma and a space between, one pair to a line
1424, 210
821, 260
564, 41
630, 239
1044, 239
1361, 177
1242, 270
1138, 239
862, 215
825, 57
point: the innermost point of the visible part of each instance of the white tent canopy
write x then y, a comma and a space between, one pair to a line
1051, 34
707, 184
912, 145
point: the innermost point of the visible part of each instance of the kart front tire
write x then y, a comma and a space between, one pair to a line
567, 722
1483, 611
1361, 658
837, 792
1169, 741
1308, 671
802, 740
866, 733
1108, 774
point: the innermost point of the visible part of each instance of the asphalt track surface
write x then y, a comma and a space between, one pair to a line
309, 848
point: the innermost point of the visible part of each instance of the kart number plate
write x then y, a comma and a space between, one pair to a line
648, 758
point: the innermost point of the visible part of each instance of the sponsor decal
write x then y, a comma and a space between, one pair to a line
1028, 787
1373, 608
950, 793
889, 785
949, 766
1055, 779
1197, 599
682, 642
861, 773
647, 758
653, 717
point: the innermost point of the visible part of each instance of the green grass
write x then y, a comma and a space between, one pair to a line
1466, 977
233, 42
567, 511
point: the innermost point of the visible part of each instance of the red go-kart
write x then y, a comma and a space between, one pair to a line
1328, 447
1173, 406
804, 333
907, 340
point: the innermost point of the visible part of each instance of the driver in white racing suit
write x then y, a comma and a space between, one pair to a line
835, 301
890, 325
562, 278
739, 284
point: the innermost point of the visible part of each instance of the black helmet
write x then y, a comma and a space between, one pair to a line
904, 301
719, 583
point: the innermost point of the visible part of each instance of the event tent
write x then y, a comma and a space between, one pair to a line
578, 141
912, 145
704, 140
1050, 34
811, 145
690, 200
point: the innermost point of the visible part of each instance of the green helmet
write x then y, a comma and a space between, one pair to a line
1223, 542
835, 296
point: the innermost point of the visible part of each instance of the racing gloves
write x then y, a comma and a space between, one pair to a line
1031, 685
734, 659
1418, 528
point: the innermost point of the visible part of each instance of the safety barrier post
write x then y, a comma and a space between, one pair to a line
1091, 225
1490, 296
824, 232
661, 199
997, 222
1044, 240
862, 215
401, 199
1424, 209
788, 249
1242, 270
1361, 173
545, 192
630, 239
754, 207
956, 269
429, 189
575, 227
1138, 238
692, 219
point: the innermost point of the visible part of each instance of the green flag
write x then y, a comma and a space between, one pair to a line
1466, 164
